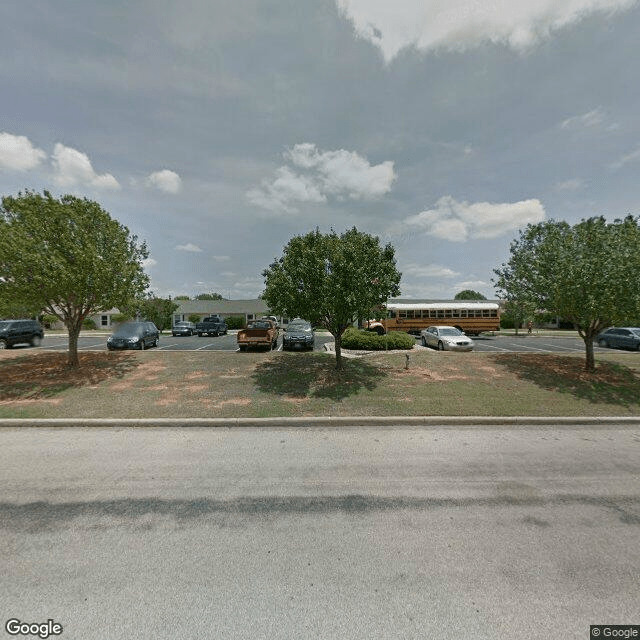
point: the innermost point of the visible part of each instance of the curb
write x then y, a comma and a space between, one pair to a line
327, 421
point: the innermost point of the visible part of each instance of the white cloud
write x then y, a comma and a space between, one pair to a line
427, 25
193, 248
344, 173
594, 119
634, 156
570, 185
460, 221
284, 191
165, 180
17, 153
73, 168
314, 176
147, 263
427, 271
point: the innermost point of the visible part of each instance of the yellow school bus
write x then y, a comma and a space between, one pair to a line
469, 316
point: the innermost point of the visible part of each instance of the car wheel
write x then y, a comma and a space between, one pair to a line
3, 344
602, 343
36, 341
440, 345
424, 341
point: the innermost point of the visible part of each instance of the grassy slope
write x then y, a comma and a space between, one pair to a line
196, 384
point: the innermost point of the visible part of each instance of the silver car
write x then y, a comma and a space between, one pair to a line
620, 337
445, 338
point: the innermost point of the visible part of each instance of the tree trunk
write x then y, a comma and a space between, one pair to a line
338, 345
74, 333
590, 362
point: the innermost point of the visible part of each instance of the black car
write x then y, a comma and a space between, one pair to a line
298, 335
183, 329
134, 335
620, 337
20, 332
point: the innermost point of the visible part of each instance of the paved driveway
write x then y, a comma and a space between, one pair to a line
496, 344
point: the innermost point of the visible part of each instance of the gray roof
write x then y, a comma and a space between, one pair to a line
221, 307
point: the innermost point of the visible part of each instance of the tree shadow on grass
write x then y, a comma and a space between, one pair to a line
314, 376
46, 374
610, 383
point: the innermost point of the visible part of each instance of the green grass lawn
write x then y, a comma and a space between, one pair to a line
36, 384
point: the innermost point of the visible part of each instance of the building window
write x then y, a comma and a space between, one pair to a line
104, 321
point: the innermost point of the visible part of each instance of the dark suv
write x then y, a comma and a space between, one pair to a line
20, 332
134, 335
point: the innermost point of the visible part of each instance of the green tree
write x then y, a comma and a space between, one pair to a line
587, 273
469, 294
157, 310
209, 296
68, 257
182, 298
331, 280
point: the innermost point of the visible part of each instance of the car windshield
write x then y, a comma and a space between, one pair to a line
128, 330
182, 324
452, 331
4, 324
636, 332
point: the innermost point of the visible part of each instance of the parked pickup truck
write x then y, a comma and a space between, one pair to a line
212, 326
259, 333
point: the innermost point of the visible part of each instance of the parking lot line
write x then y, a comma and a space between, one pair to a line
54, 346
524, 346
91, 346
555, 346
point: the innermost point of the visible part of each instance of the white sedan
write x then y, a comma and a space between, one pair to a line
446, 339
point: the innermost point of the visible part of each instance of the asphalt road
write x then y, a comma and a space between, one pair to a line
525, 532
497, 343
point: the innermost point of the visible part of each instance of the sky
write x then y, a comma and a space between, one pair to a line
216, 131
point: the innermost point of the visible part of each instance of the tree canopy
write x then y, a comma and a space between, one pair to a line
67, 257
588, 273
157, 310
209, 296
469, 294
332, 280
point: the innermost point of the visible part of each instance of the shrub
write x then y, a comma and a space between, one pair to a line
49, 320
88, 323
235, 322
371, 341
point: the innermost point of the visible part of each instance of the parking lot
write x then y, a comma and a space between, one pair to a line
493, 343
